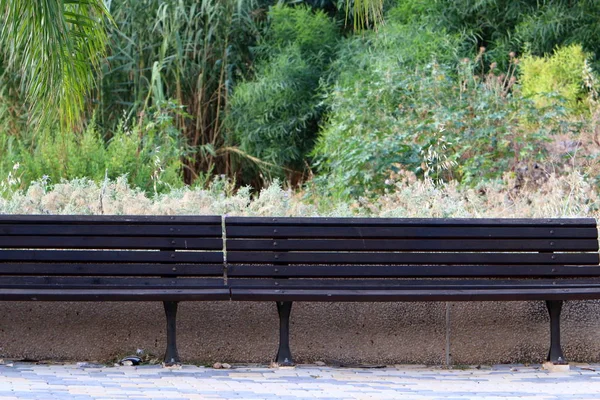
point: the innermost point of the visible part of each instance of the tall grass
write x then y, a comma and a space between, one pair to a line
187, 51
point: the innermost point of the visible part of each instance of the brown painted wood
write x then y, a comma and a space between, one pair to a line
117, 256
412, 258
428, 222
409, 232
116, 269
545, 293
411, 245
110, 242
412, 271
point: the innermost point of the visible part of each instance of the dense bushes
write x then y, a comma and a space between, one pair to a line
402, 100
561, 74
456, 91
148, 151
273, 117
508, 25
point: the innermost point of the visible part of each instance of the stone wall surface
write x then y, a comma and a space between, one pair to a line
345, 333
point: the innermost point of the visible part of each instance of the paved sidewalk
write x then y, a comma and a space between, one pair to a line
27, 381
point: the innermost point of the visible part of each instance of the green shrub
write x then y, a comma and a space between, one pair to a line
562, 73
504, 26
148, 151
273, 117
361, 136
436, 120
313, 32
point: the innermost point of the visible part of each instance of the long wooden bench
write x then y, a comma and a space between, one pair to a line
173, 259
319, 259
113, 258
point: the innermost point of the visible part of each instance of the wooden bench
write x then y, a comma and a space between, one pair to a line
320, 259
113, 258
172, 259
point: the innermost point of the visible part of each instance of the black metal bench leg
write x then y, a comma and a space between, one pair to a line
171, 355
555, 355
284, 355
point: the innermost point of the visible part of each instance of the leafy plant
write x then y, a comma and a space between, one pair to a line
439, 120
504, 26
186, 51
562, 74
273, 117
54, 47
148, 151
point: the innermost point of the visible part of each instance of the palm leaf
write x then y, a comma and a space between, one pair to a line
55, 46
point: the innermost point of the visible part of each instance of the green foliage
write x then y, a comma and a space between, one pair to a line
361, 137
561, 74
51, 48
504, 26
313, 32
148, 151
273, 118
188, 51
436, 120
273, 115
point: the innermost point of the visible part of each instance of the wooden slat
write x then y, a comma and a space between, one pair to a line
448, 222
70, 283
113, 295
411, 258
116, 269
411, 284
118, 256
415, 295
111, 219
412, 244
110, 242
108, 229
416, 271
411, 232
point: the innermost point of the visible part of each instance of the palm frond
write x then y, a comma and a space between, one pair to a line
54, 45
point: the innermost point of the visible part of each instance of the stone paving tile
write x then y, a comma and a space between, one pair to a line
69, 382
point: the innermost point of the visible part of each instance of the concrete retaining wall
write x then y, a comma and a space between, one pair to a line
347, 333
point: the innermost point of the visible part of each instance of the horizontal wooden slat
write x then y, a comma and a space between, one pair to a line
411, 258
412, 244
448, 222
110, 242
111, 219
363, 271
410, 232
415, 295
70, 283
118, 256
112, 230
113, 294
116, 269
410, 284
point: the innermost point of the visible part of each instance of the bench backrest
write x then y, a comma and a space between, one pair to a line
110, 246
388, 247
